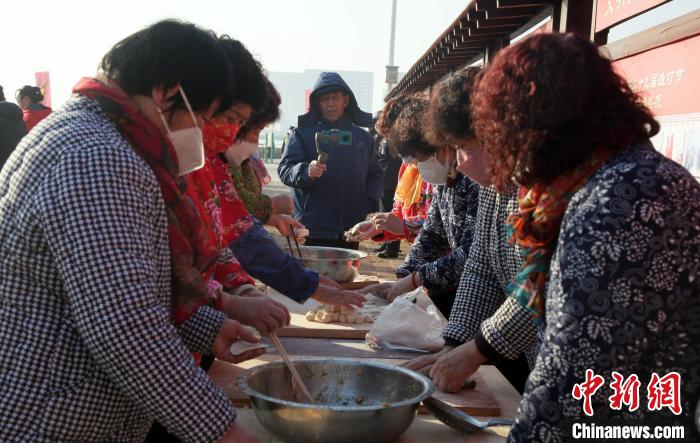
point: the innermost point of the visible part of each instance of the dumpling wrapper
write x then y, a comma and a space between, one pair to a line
241, 346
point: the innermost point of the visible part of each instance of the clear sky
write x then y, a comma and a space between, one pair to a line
69, 37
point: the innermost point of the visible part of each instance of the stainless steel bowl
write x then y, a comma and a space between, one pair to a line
341, 265
355, 401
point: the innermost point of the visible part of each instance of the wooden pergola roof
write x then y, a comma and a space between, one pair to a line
483, 22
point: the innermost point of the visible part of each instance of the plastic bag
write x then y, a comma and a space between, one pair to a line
406, 324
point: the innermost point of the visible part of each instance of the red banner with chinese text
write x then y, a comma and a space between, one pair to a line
611, 12
668, 80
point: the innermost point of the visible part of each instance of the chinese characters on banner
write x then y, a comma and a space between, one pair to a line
668, 79
42, 81
611, 12
662, 392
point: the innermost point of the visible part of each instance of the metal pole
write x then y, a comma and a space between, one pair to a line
392, 37
392, 40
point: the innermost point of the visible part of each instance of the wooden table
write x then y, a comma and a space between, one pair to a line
348, 343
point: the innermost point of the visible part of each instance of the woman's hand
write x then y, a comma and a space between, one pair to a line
282, 204
325, 281
379, 289
361, 231
455, 367
391, 290
403, 286
388, 221
232, 331
425, 363
261, 312
284, 224
338, 297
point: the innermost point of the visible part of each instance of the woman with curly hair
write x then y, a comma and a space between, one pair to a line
412, 196
609, 230
491, 262
436, 258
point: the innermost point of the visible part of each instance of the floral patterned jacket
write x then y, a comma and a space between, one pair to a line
248, 186
244, 240
442, 246
623, 296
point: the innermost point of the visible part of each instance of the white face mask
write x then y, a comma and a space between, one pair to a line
433, 172
238, 152
188, 142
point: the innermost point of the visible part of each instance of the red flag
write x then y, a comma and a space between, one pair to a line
307, 99
43, 82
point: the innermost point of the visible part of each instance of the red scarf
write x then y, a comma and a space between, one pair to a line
192, 250
535, 229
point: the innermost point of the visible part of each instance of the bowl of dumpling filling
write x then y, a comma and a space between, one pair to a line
352, 401
341, 265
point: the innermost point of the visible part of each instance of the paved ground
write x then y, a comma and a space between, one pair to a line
372, 266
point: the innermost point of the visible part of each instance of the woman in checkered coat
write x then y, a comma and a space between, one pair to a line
98, 248
492, 262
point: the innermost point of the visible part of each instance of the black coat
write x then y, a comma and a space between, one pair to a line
12, 129
391, 164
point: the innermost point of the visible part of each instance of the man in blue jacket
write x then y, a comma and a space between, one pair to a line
331, 197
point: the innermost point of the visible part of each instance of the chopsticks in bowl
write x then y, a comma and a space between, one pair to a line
291, 229
278, 344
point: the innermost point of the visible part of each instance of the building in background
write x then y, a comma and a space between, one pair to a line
295, 87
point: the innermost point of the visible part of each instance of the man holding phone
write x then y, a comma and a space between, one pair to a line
336, 190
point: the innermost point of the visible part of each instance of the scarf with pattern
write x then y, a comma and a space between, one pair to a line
410, 186
534, 228
192, 250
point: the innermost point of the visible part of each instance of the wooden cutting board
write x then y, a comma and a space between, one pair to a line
301, 327
478, 401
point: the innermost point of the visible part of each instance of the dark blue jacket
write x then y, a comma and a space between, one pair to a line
352, 184
12, 129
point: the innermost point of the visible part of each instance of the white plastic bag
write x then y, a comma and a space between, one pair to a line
405, 325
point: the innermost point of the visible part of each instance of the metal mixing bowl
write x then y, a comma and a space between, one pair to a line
355, 401
341, 265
